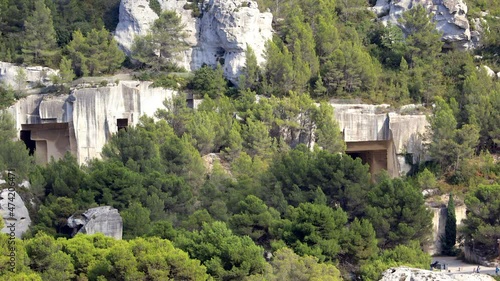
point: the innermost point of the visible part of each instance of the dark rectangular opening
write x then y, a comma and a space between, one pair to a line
26, 138
122, 123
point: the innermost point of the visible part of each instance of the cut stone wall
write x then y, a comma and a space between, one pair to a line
221, 34
90, 116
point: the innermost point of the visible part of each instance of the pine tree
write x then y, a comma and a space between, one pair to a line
160, 47
39, 45
450, 229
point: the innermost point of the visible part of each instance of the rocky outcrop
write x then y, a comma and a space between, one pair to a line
35, 75
220, 35
104, 220
414, 274
17, 220
84, 120
450, 17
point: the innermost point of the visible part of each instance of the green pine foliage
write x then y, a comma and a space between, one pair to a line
39, 45
450, 229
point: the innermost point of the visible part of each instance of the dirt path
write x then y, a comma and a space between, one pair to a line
453, 266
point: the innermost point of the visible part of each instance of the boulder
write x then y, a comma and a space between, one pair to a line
19, 216
413, 274
103, 219
220, 35
450, 17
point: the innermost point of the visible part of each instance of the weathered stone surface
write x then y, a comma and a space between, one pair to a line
439, 223
450, 17
104, 220
220, 35
374, 127
489, 71
34, 75
414, 274
83, 121
21, 217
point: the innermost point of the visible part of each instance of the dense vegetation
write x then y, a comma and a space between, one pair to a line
280, 181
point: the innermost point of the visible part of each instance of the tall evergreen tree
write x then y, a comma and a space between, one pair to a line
450, 229
39, 45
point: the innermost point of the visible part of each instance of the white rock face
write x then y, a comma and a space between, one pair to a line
18, 220
34, 75
449, 15
220, 35
104, 220
414, 274
83, 121
489, 71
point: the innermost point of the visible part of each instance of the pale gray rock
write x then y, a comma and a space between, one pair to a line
35, 75
18, 220
377, 127
221, 35
439, 223
83, 121
450, 17
414, 274
489, 71
103, 219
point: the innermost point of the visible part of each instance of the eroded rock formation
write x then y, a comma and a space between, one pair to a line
450, 17
221, 34
103, 219
413, 274
83, 121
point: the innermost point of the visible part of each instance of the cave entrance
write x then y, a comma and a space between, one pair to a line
373, 153
46, 140
122, 123
25, 136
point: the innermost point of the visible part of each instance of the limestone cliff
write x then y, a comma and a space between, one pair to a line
221, 34
450, 17
83, 121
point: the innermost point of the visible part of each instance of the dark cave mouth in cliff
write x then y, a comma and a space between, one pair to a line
25, 136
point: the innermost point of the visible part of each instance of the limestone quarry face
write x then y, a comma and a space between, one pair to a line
83, 121
220, 35
450, 17
20, 216
103, 219
393, 138
414, 274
